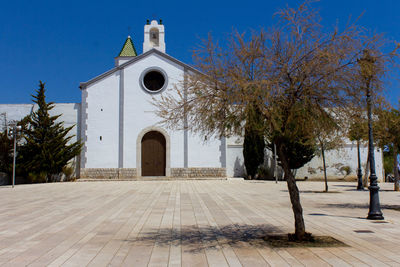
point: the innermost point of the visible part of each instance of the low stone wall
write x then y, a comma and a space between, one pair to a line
198, 172
108, 173
131, 173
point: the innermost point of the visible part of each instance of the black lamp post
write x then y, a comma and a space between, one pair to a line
375, 212
360, 185
367, 65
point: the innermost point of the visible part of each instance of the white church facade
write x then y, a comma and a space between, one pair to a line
122, 136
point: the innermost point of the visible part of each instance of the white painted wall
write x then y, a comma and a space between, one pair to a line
147, 44
102, 117
203, 153
69, 114
346, 156
121, 60
235, 161
139, 113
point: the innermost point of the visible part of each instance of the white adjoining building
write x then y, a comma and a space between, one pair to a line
123, 138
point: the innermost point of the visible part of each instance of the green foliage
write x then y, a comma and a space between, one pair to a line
388, 161
345, 170
254, 144
358, 130
46, 149
298, 151
7, 146
296, 142
265, 173
387, 127
6, 156
68, 172
40, 177
387, 132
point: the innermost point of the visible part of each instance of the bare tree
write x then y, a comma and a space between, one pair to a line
310, 67
329, 137
357, 130
293, 73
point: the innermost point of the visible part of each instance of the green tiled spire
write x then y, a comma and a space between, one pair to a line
128, 50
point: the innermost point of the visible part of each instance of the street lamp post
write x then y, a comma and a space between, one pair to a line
367, 65
360, 185
13, 132
375, 212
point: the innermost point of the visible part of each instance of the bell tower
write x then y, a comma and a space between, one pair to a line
154, 36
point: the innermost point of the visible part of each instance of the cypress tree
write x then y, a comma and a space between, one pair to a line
254, 143
47, 148
6, 152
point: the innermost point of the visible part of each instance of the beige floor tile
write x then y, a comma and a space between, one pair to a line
190, 223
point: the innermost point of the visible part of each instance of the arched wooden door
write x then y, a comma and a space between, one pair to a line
153, 154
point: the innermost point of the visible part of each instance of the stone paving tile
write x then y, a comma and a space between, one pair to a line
190, 223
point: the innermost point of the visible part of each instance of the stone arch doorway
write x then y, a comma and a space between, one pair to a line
153, 154
146, 135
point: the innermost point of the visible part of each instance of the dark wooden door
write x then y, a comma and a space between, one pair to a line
153, 154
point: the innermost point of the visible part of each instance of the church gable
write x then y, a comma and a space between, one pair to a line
153, 45
136, 59
151, 76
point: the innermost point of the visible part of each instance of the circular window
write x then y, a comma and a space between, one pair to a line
153, 80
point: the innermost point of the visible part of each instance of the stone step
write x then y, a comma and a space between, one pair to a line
150, 178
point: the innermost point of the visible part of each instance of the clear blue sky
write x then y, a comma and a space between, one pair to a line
64, 43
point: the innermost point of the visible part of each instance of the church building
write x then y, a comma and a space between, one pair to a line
121, 133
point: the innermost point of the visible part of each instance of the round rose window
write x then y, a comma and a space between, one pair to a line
154, 80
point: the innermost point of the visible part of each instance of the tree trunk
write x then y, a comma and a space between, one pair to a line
395, 170
365, 182
300, 230
324, 163
360, 185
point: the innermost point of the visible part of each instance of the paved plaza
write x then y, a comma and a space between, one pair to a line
190, 223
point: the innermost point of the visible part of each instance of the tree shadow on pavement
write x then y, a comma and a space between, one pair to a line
358, 206
315, 191
344, 185
196, 238
367, 191
334, 215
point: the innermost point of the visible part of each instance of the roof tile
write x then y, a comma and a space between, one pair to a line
128, 50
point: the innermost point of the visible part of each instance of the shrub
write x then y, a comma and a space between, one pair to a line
37, 177
265, 173
345, 170
68, 172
